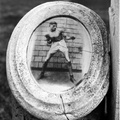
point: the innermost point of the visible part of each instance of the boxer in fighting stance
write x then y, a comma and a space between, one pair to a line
57, 40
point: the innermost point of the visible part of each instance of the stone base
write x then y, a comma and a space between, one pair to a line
18, 113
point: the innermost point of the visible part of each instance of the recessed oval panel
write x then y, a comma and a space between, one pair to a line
58, 53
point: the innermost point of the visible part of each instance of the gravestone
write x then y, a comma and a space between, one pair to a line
67, 43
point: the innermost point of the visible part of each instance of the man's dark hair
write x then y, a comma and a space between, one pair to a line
53, 23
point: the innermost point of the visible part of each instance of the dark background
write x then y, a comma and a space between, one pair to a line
11, 11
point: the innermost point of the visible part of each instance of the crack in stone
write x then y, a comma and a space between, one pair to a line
64, 108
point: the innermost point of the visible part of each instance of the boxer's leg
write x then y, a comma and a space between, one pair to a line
50, 53
71, 72
65, 51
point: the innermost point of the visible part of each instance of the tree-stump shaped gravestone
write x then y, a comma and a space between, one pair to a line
66, 43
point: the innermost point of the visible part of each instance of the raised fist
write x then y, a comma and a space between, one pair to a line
72, 37
47, 36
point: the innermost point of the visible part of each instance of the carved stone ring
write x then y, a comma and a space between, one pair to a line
82, 97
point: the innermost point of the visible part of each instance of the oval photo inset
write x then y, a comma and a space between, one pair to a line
59, 53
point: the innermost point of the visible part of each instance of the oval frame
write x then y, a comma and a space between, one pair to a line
76, 102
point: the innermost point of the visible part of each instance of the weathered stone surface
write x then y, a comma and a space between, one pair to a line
114, 94
79, 100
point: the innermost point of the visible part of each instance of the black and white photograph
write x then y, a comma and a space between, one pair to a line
59, 60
